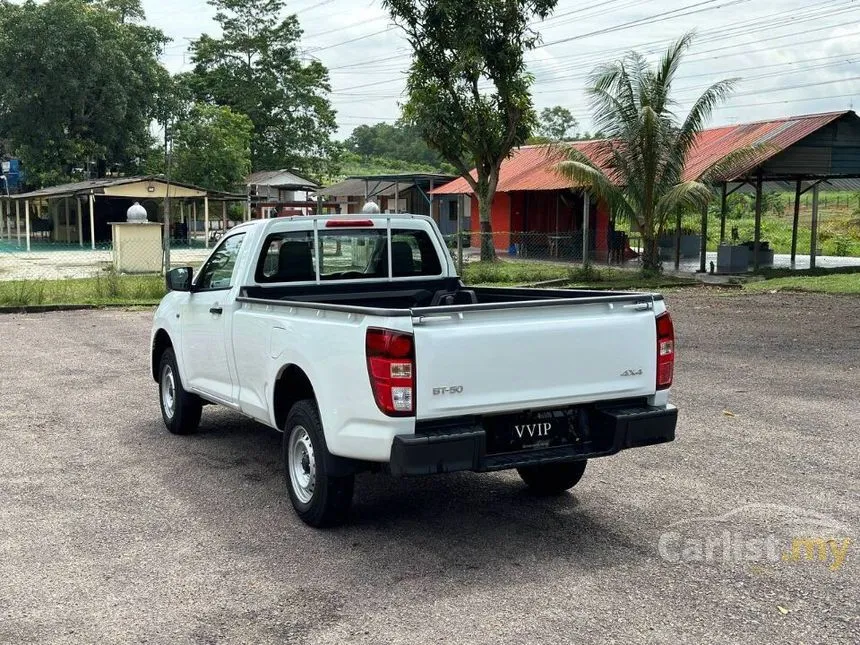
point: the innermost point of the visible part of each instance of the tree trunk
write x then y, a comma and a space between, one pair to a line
651, 262
488, 248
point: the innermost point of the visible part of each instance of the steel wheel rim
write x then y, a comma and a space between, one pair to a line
168, 391
301, 464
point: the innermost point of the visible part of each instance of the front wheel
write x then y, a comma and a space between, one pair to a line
552, 479
319, 499
180, 409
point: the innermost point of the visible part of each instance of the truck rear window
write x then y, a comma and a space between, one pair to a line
353, 254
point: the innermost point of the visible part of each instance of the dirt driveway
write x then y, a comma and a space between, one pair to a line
114, 531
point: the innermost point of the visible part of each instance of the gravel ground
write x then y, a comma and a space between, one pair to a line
114, 531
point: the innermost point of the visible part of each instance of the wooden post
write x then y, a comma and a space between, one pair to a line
703, 249
397, 199
92, 222
797, 193
585, 236
757, 242
80, 215
678, 240
68, 223
206, 220
27, 221
814, 235
18, 221
724, 209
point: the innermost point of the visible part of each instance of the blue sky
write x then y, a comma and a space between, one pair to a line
792, 56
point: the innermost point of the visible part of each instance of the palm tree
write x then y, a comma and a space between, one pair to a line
638, 169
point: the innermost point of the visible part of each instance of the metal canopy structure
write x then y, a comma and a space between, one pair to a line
155, 187
387, 185
806, 153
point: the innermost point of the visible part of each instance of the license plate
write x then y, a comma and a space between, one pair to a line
533, 430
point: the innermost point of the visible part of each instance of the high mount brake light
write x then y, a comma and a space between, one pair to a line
665, 351
391, 368
348, 223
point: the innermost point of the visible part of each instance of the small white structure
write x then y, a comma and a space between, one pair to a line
137, 243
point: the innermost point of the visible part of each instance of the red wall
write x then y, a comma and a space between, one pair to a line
535, 211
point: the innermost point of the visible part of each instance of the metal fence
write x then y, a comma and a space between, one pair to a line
132, 249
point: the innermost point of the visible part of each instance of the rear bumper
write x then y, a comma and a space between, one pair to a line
454, 445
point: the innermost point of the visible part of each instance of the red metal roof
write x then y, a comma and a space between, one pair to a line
531, 167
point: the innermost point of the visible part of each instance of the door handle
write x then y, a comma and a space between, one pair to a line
216, 310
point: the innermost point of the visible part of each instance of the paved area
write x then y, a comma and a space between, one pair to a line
114, 531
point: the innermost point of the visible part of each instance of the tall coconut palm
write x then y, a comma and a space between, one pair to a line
638, 170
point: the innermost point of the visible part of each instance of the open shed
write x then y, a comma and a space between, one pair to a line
97, 203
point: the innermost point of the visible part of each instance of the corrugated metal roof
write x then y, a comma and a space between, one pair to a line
280, 179
530, 167
97, 186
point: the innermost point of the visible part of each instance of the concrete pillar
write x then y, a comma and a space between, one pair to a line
68, 223
206, 220
18, 221
7, 218
397, 199
797, 193
813, 240
55, 218
193, 233
757, 242
27, 221
80, 217
92, 222
223, 217
724, 209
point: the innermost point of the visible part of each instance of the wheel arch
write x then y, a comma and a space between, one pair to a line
291, 385
161, 341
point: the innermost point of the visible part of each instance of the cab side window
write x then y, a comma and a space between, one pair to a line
217, 273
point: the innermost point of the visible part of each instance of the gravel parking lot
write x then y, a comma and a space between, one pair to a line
114, 531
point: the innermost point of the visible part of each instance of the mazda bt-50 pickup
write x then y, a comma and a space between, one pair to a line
354, 336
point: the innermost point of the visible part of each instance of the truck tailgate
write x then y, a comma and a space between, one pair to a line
497, 360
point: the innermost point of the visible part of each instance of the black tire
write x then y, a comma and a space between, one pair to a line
552, 479
184, 415
319, 499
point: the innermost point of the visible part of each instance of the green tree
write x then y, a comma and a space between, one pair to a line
399, 141
77, 87
212, 147
468, 89
254, 68
639, 169
557, 124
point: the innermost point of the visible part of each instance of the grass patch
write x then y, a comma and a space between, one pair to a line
521, 272
107, 289
832, 283
512, 272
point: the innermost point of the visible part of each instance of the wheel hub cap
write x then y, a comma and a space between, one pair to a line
301, 464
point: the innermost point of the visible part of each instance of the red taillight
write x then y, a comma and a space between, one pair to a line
348, 223
665, 351
391, 367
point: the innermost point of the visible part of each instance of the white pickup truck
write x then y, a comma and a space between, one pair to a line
354, 336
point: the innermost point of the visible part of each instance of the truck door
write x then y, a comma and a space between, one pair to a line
206, 322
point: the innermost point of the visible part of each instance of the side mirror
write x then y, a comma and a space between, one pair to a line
179, 279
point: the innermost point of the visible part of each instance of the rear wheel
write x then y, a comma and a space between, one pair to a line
319, 499
179, 409
552, 479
